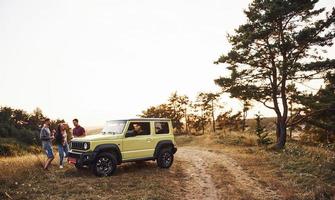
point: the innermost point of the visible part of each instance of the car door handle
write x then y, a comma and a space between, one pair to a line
149, 140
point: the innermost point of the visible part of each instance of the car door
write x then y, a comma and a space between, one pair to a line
137, 146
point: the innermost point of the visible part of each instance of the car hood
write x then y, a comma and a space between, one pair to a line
97, 137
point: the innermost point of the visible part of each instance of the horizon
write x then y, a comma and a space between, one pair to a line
101, 60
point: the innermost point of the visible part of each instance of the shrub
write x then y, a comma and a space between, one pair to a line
261, 133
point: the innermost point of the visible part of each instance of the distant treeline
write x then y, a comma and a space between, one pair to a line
195, 116
313, 116
18, 126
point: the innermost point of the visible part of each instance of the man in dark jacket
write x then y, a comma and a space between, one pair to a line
46, 138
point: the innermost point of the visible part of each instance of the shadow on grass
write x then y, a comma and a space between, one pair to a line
131, 167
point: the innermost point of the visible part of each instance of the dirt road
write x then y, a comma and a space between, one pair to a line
203, 169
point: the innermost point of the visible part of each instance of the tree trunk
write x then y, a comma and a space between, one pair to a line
243, 120
277, 130
213, 116
186, 122
203, 129
281, 133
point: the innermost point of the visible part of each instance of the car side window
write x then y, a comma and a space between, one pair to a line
138, 128
162, 128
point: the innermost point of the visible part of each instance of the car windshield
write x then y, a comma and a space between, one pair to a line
114, 127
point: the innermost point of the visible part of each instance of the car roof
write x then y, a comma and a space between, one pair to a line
143, 119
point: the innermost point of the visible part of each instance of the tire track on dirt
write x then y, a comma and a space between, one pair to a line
198, 162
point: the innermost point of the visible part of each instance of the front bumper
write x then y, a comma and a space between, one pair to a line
81, 158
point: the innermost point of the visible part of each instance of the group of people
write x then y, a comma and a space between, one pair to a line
60, 137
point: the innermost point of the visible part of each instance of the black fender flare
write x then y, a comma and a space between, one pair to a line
164, 144
109, 148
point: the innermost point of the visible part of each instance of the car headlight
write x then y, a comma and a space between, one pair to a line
86, 145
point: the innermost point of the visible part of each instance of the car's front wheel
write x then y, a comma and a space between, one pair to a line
78, 166
165, 158
105, 164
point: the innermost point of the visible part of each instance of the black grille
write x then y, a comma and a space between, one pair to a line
77, 145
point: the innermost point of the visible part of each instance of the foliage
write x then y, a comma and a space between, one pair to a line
164, 111
261, 133
281, 43
319, 111
229, 120
187, 116
207, 102
246, 107
197, 122
24, 127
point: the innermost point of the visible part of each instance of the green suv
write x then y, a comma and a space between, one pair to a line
125, 141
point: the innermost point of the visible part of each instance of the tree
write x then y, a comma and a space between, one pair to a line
229, 120
184, 103
201, 118
6, 114
281, 43
319, 110
36, 119
179, 105
207, 102
261, 133
20, 118
197, 122
246, 108
164, 111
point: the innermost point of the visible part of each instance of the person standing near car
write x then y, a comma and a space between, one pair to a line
78, 131
61, 141
46, 138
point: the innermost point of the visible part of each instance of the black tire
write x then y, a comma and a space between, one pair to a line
165, 158
79, 167
104, 164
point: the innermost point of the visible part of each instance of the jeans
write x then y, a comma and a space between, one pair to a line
62, 150
47, 147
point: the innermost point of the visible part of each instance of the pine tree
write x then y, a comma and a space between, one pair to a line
319, 110
261, 133
281, 43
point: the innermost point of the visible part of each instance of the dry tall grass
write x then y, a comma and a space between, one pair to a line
299, 171
23, 178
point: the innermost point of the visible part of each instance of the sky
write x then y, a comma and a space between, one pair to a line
100, 60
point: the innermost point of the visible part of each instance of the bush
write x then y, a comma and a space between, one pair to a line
5, 150
261, 133
23, 135
4, 130
12, 147
26, 136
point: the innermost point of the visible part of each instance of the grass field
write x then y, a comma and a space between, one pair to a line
23, 178
297, 172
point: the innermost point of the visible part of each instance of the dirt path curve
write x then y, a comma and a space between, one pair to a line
198, 162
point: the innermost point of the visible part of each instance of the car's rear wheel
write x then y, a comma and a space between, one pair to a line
105, 164
165, 158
